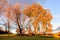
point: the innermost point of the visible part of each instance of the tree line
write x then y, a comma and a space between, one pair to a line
35, 12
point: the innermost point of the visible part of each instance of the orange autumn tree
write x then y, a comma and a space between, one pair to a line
38, 13
48, 19
13, 13
17, 15
3, 6
8, 15
33, 11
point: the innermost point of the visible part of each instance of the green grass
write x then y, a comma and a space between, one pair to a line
37, 37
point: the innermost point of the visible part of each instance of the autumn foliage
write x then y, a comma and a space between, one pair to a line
40, 15
36, 12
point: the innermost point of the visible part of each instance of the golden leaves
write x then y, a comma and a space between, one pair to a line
31, 11
40, 14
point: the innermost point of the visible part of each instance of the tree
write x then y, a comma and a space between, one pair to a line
48, 19
17, 14
14, 10
39, 15
34, 11
8, 15
3, 6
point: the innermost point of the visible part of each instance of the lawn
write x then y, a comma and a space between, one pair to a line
37, 37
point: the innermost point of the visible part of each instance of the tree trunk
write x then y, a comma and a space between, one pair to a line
18, 25
8, 26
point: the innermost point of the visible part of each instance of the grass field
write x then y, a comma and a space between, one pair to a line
37, 37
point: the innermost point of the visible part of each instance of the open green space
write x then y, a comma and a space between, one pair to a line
36, 37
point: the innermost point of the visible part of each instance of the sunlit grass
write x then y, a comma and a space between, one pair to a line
36, 37
7, 34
